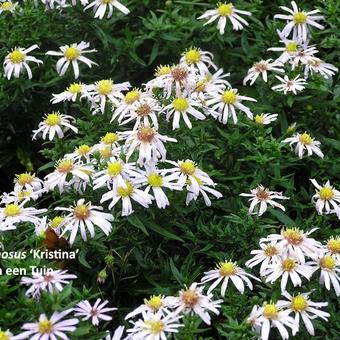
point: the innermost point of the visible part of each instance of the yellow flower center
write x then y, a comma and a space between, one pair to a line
288, 265
12, 210
155, 180
299, 303
3, 336
105, 87
187, 167
229, 97
155, 302
71, 53
105, 1
198, 180
105, 152
81, 212
156, 327
24, 178
162, 70
65, 165
305, 138
83, 149
146, 134
327, 262
200, 86
180, 104
109, 138
225, 10
125, 191
53, 119
300, 17
333, 245
75, 88
326, 193
270, 251
193, 56
132, 96
114, 169
293, 236
227, 268
45, 327
6, 6
189, 298
55, 222
270, 311
23, 194
292, 46
259, 119
16, 57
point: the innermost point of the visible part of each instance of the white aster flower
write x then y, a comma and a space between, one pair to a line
53, 124
100, 7
148, 142
325, 197
192, 300
265, 118
8, 6
261, 68
28, 181
302, 306
72, 93
223, 104
81, 153
181, 107
154, 326
228, 270
253, 319
224, 11
52, 282
263, 196
155, 304
95, 313
316, 65
20, 195
290, 85
126, 193
85, 216
108, 145
287, 267
333, 247
49, 328
304, 55
271, 315
299, 21
72, 54
17, 60
197, 59
304, 142
14, 213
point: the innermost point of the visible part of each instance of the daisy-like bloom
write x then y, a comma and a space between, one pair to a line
224, 11
63, 168
290, 85
268, 254
265, 118
192, 300
329, 271
296, 243
316, 65
223, 104
72, 93
155, 304
52, 282
100, 7
333, 247
287, 267
263, 196
53, 124
304, 142
6, 335
17, 60
325, 196
95, 313
108, 145
155, 326
228, 270
304, 55
81, 153
49, 328
19, 195
28, 181
271, 315
299, 21
8, 6
85, 216
261, 68
181, 107
253, 320
125, 193
14, 213
195, 58
148, 142
302, 306
72, 54
104, 90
